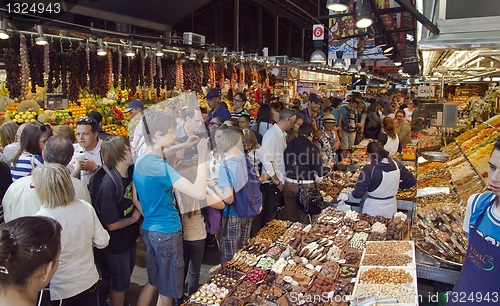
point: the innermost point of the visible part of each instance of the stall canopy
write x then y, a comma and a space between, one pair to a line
468, 47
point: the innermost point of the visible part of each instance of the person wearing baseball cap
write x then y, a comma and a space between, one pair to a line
329, 139
216, 110
135, 106
138, 142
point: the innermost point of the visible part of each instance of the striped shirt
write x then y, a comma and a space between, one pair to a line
237, 115
25, 164
489, 228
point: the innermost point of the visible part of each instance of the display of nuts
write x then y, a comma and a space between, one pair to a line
387, 260
388, 247
385, 276
386, 292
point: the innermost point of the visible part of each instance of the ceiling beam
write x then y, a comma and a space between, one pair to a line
116, 17
384, 11
423, 20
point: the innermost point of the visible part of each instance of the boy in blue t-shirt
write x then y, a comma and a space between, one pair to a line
233, 176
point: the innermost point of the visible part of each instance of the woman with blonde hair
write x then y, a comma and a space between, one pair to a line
76, 278
388, 138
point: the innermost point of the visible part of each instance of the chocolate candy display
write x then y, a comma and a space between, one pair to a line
233, 301
352, 258
244, 290
224, 281
343, 287
321, 284
330, 269
347, 272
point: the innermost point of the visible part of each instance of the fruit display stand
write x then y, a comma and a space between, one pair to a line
287, 263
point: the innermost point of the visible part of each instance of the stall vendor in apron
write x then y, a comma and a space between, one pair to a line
380, 182
478, 283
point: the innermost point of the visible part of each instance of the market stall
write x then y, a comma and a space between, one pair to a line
343, 256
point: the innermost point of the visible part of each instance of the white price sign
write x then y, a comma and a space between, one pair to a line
318, 32
426, 91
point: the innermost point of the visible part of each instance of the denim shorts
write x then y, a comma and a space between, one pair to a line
165, 262
121, 267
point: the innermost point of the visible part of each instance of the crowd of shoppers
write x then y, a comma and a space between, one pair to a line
161, 183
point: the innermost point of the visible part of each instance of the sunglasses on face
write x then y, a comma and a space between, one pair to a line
45, 128
86, 120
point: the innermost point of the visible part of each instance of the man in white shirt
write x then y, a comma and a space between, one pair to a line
21, 200
273, 164
138, 142
89, 144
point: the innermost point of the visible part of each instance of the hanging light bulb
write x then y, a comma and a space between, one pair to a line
159, 49
389, 49
362, 71
130, 51
41, 39
352, 66
205, 58
3, 29
363, 14
337, 5
318, 56
101, 51
242, 56
224, 53
339, 62
192, 56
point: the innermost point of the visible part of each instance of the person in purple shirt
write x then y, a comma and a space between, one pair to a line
213, 101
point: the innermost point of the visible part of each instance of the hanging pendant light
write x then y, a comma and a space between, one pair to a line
101, 51
41, 39
205, 58
159, 49
363, 14
337, 5
362, 71
192, 55
352, 66
130, 50
318, 56
3, 29
339, 62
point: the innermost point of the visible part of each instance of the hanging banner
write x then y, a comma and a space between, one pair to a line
318, 32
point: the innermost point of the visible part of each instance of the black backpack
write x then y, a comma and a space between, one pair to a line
350, 120
95, 185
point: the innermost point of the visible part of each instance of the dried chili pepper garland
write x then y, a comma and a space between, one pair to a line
25, 70
179, 75
36, 54
13, 80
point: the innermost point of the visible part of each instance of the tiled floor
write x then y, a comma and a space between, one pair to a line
140, 276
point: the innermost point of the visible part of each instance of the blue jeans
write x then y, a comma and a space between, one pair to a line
121, 267
164, 262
